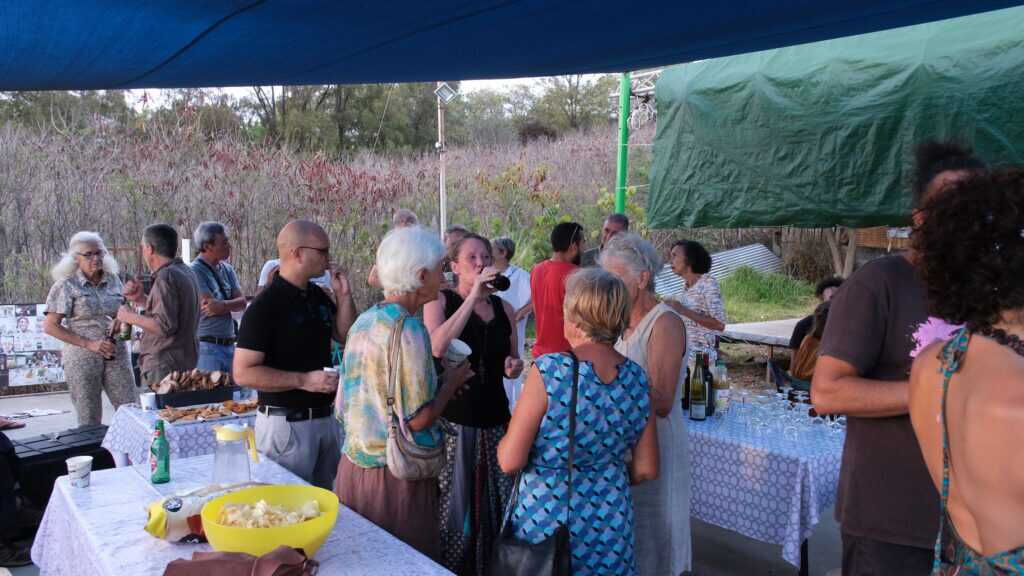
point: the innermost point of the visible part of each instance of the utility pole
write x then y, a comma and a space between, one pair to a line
441, 150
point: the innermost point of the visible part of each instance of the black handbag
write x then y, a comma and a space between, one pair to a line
550, 557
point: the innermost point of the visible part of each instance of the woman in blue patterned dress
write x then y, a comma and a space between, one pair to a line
613, 419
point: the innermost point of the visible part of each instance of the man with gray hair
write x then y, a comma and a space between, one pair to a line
404, 218
171, 308
614, 224
219, 296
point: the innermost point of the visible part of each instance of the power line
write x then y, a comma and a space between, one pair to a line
382, 114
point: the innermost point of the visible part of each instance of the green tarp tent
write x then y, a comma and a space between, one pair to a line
822, 134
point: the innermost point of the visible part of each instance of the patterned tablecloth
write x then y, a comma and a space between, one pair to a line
99, 530
131, 433
763, 486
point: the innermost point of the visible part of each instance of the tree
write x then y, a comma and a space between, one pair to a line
65, 111
209, 113
574, 102
843, 258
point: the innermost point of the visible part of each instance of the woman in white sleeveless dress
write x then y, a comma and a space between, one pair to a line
656, 340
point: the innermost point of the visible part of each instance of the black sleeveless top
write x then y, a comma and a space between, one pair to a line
484, 404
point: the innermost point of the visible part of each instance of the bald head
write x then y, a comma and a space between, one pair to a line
299, 233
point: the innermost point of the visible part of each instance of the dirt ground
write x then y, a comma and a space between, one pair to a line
746, 364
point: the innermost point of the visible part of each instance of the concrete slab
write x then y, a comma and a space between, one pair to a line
46, 424
720, 552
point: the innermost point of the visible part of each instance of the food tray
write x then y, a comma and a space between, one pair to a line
230, 415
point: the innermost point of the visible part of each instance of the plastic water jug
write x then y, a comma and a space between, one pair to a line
235, 446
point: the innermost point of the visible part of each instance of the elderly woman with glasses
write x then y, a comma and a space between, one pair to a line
80, 312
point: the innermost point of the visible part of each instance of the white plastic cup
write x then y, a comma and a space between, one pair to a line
457, 352
79, 470
148, 400
333, 371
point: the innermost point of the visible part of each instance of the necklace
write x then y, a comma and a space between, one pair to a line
1011, 341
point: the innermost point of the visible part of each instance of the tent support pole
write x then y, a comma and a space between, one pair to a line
625, 90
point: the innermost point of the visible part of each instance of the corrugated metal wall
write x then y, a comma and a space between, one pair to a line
756, 256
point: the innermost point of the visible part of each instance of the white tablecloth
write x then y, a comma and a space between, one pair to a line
764, 487
98, 530
131, 433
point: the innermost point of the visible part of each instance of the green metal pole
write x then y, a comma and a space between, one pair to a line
625, 88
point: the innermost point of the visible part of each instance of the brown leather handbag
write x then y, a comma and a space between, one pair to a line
282, 561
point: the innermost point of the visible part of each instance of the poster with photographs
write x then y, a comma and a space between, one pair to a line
27, 354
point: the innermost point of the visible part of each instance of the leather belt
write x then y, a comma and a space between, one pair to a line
217, 341
297, 414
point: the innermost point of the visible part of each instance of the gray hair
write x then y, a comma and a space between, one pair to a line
402, 254
67, 266
637, 254
619, 219
404, 218
206, 233
162, 238
507, 245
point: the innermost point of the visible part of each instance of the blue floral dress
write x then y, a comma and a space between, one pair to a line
609, 421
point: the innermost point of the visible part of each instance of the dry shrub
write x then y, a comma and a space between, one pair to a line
807, 256
116, 180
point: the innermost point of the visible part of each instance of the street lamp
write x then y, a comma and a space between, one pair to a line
445, 94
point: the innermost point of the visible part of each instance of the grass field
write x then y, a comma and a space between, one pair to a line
752, 296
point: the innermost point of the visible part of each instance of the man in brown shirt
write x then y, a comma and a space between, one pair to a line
887, 506
171, 315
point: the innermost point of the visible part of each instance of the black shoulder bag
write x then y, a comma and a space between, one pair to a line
550, 557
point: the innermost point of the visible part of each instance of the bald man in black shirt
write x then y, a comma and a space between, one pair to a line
284, 344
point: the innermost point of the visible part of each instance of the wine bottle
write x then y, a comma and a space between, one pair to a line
709, 386
698, 388
686, 383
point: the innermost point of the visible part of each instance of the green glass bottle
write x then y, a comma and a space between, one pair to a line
160, 456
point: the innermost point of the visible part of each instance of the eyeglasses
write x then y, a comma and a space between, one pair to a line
325, 252
91, 255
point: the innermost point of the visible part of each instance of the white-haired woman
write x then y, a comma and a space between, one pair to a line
409, 263
79, 312
656, 340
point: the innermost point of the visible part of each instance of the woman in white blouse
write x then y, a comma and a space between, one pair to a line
700, 303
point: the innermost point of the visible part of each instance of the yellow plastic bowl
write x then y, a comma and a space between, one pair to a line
309, 535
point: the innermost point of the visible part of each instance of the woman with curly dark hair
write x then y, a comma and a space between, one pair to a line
887, 507
967, 393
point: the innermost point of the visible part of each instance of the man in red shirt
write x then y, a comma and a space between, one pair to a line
547, 284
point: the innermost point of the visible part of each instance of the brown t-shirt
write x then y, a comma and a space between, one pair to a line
174, 304
885, 492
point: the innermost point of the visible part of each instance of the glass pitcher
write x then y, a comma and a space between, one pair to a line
235, 446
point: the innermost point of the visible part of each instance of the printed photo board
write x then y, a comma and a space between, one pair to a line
27, 355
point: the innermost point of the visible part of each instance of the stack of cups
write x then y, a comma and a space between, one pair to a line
79, 470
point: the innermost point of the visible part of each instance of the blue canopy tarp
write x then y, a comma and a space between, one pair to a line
102, 44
